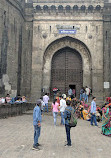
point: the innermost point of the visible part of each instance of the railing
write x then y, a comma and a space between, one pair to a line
9, 110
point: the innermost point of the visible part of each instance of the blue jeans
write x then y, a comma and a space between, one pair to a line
86, 98
36, 134
62, 118
67, 127
46, 107
55, 117
93, 119
81, 96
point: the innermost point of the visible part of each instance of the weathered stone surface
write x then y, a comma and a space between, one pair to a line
29, 31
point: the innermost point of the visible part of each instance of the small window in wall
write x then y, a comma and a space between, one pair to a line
14, 25
50, 29
4, 18
106, 35
38, 28
86, 29
96, 29
29, 35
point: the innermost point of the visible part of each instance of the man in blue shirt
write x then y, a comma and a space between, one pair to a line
67, 116
93, 111
37, 124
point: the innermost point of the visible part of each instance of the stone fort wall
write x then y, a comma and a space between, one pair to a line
15, 48
107, 46
22, 25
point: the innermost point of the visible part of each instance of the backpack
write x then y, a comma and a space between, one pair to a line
73, 120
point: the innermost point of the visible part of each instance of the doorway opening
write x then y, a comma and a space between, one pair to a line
73, 87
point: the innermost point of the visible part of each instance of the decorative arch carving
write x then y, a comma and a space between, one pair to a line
68, 8
75, 8
83, 8
45, 8
53, 8
73, 44
38, 8
60, 8
90, 9
98, 8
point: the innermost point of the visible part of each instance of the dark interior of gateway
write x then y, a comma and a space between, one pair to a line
72, 86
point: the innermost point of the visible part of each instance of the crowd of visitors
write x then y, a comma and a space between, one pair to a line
63, 105
9, 100
84, 93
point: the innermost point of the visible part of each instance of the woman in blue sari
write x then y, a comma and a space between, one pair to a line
106, 127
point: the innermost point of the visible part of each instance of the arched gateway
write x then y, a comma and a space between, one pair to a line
67, 62
66, 70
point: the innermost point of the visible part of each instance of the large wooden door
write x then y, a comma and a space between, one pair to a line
66, 70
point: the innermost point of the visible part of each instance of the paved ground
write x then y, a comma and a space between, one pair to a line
16, 139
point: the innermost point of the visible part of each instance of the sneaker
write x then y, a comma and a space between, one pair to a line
35, 148
67, 145
39, 144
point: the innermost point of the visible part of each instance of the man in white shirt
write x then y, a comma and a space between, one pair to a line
87, 93
45, 100
62, 109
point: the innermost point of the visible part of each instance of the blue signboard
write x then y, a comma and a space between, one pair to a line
67, 31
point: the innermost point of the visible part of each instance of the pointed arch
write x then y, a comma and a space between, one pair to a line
74, 44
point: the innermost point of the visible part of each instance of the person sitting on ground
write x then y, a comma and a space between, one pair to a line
2, 100
74, 103
88, 117
81, 108
19, 100
83, 103
8, 98
24, 99
68, 98
17, 97
85, 113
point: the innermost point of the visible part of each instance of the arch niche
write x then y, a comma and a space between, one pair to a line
58, 47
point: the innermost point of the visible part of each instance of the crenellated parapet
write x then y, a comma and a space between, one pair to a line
67, 9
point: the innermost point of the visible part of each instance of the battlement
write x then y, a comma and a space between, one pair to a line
65, 1
68, 8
